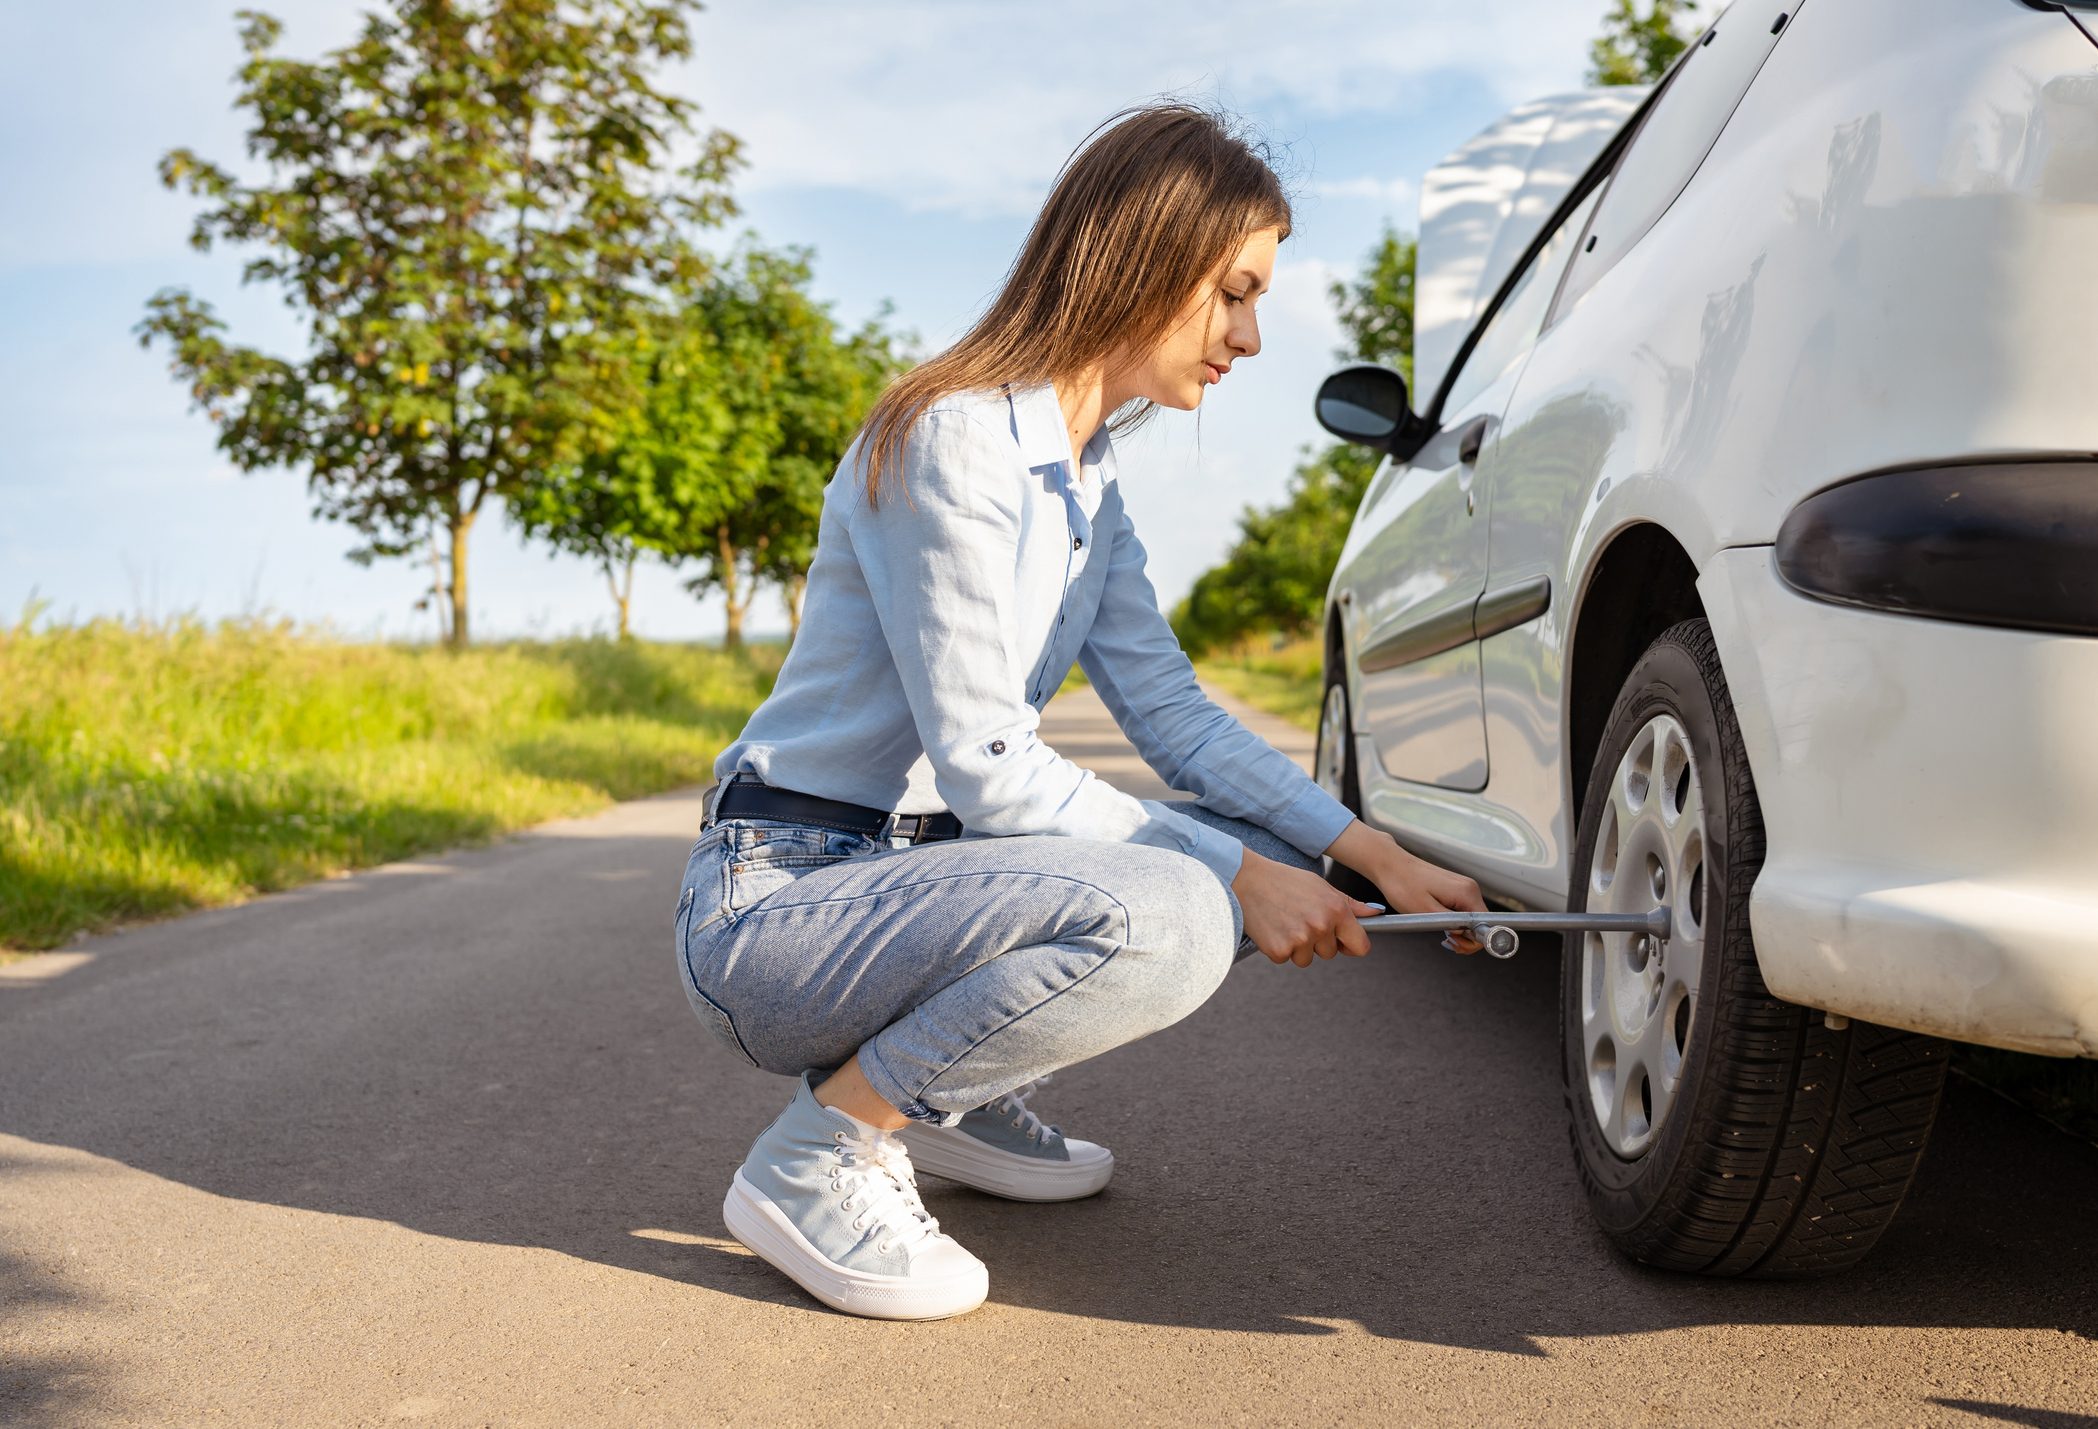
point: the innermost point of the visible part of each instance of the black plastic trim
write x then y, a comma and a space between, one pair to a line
1445, 630
1512, 605
2008, 543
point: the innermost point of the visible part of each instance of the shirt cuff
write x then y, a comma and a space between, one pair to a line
1223, 853
1313, 821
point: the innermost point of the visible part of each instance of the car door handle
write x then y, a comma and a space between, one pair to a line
1470, 440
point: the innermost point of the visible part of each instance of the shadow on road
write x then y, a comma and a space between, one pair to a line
495, 1048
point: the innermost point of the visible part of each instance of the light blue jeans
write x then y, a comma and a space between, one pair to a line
964, 968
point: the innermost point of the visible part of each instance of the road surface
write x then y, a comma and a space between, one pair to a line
442, 1143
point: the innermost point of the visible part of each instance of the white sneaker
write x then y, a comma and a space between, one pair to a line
1005, 1149
832, 1203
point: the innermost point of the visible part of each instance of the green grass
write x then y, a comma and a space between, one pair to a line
150, 769
1282, 677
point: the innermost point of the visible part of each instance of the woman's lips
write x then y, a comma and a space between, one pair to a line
1216, 373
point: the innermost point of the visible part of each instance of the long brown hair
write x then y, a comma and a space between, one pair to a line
1159, 197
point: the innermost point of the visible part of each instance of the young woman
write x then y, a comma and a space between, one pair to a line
900, 894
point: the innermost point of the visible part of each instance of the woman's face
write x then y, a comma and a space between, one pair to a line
1188, 360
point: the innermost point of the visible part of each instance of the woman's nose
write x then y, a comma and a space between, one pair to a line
1247, 337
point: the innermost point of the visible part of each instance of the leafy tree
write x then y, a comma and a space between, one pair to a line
1638, 49
805, 390
468, 208
1376, 310
749, 397
1274, 577
667, 456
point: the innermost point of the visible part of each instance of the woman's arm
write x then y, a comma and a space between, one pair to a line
1135, 661
938, 556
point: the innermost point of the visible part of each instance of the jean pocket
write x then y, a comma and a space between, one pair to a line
716, 1020
764, 857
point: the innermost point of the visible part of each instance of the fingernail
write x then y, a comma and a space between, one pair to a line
1378, 906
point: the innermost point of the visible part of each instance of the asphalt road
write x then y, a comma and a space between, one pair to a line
442, 1142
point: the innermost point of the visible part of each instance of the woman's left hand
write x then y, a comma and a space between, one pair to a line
1410, 884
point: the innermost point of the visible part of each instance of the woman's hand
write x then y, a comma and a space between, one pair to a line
1411, 883
1293, 915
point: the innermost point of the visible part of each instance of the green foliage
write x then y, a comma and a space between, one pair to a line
147, 769
1638, 49
468, 209
803, 389
749, 398
1274, 577
1376, 310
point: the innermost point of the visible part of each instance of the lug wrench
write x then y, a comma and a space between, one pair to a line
1498, 932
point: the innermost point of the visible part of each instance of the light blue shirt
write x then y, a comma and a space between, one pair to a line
938, 624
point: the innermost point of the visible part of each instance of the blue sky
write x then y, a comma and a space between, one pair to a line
908, 143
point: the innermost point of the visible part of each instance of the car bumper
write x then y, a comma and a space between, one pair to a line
1930, 806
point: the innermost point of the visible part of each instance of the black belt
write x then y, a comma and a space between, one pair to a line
746, 796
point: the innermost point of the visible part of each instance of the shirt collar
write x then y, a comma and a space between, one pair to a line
1038, 423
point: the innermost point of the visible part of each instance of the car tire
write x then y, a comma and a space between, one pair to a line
1781, 1147
1333, 767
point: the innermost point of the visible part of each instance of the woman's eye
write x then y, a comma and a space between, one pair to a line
1231, 297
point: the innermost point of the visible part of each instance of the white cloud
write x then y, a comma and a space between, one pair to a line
1399, 193
859, 96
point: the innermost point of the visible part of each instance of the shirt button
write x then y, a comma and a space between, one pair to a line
1078, 543
997, 746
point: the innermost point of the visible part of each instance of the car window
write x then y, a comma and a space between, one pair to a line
1680, 128
1515, 323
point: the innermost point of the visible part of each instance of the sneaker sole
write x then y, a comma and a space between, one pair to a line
1017, 1178
765, 1231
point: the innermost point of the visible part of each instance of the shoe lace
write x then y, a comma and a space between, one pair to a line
879, 1184
1023, 1116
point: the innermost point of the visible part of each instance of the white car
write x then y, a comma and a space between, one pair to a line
1743, 558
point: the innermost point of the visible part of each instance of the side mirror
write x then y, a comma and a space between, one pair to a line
1368, 405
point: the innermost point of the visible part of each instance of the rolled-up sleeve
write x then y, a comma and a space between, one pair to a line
939, 554
1135, 662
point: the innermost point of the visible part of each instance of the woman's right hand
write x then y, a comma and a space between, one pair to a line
1293, 915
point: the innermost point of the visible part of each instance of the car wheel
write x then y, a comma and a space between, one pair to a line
1715, 1128
1333, 767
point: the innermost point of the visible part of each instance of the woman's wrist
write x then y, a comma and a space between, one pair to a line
1370, 852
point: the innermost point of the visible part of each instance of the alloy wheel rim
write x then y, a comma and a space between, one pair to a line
1333, 740
1638, 996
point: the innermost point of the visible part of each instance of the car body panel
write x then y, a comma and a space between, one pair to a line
1883, 260
1930, 811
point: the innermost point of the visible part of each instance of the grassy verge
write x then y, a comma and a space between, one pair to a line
1281, 677
145, 770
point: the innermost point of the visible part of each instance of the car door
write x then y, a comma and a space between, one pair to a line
1412, 584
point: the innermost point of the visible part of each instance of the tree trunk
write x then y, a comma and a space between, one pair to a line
797, 591
623, 595
462, 522
731, 589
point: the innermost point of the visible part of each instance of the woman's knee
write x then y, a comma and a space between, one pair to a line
1184, 932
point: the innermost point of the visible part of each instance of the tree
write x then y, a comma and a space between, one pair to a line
748, 401
663, 468
468, 208
806, 391
1636, 49
1274, 577
1376, 310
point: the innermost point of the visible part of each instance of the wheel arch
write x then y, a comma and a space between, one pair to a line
1640, 583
